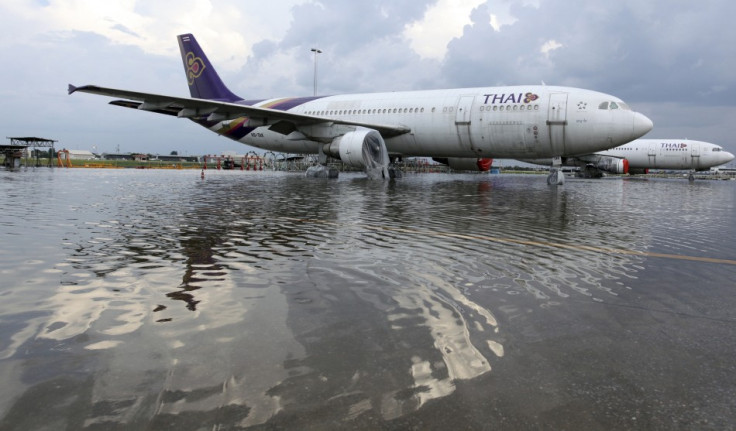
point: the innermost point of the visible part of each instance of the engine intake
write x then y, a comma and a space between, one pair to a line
362, 148
613, 165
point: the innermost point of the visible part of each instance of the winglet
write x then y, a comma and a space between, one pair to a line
71, 89
204, 82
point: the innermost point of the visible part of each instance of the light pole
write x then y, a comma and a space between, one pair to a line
315, 51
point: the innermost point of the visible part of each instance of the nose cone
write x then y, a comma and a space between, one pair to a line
642, 125
725, 157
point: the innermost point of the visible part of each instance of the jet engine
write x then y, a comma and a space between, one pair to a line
613, 165
466, 163
362, 148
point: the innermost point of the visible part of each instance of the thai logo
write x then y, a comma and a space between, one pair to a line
195, 67
530, 97
505, 98
674, 146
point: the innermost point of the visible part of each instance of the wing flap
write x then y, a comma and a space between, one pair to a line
136, 105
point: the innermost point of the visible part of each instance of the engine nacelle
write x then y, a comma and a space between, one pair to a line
363, 148
613, 165
466, 163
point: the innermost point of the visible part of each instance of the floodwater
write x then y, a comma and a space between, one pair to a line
148, 299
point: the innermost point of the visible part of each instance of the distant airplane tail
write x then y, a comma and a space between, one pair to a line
204, 82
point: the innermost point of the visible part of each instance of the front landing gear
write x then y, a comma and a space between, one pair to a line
556, 177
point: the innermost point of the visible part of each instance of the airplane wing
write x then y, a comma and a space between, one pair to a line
279, 121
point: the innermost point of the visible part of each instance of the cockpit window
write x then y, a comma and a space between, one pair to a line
614, 105
716, 148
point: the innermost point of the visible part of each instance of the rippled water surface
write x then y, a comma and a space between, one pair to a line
158, 300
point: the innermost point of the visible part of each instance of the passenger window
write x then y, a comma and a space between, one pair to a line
603, 105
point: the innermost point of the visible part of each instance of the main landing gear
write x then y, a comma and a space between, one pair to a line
318, 170
394, 168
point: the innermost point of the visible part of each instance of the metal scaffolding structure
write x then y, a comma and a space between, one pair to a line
17, 148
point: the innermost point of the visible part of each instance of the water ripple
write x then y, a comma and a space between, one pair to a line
273, 293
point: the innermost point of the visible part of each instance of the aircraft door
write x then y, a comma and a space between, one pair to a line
463, 121
652, 154
695, 155
556, 122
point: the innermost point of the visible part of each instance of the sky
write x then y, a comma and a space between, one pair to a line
672, 60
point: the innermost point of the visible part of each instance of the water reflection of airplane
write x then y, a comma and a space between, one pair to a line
638, 156
369, 130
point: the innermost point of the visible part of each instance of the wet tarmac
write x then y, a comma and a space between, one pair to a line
137, 299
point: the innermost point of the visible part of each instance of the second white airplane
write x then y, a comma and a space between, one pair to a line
368, 130
640, 155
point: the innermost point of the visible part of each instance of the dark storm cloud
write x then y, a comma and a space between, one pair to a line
362, 47
350, 26
658, 51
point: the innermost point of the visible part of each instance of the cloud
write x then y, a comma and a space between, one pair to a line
441, 22
549, 46
151, 25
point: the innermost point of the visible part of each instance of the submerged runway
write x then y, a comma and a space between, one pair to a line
159, 300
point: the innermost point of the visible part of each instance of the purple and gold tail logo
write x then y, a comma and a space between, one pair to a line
195, 67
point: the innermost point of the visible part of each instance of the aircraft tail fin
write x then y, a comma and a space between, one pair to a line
204, 82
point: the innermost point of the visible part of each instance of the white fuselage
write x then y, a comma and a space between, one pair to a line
670, 154
508, 122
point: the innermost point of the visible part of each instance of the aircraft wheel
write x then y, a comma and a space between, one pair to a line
556, 177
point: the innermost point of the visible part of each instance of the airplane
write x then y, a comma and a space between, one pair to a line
372, 129
640, 155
